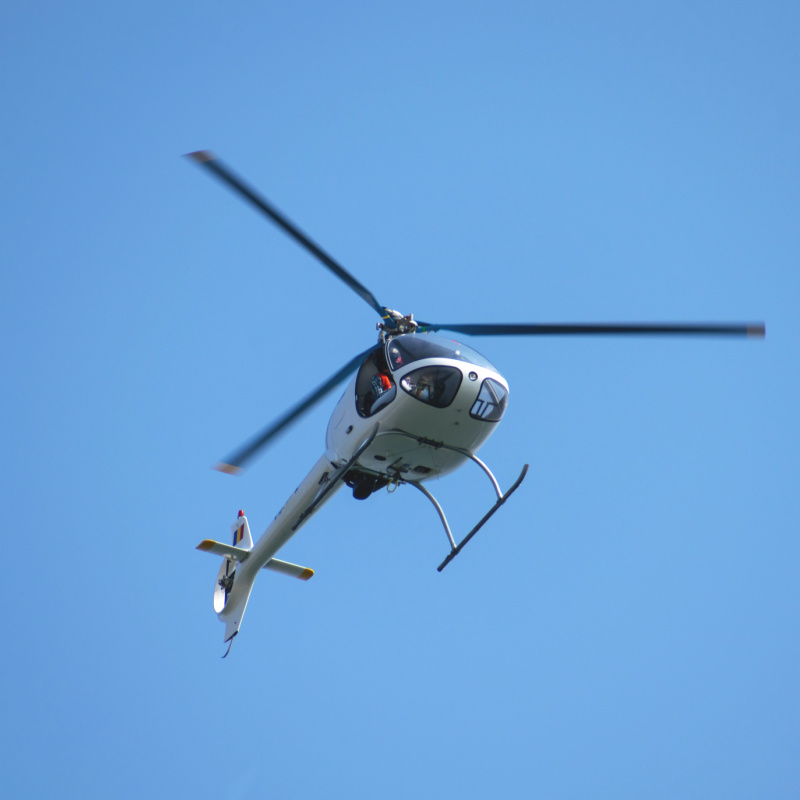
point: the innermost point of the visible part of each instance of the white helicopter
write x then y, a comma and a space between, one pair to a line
419, 406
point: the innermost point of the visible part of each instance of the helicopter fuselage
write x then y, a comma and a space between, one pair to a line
436, 401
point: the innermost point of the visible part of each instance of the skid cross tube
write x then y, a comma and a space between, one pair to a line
442, 446
438, 508
455, 549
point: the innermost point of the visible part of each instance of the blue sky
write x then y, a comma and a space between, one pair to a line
627, 626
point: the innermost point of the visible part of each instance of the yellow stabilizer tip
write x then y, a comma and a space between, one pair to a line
307, 573
756, 331
228, 469
201, 156
206, 544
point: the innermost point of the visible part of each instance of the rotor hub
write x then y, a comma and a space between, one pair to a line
395, 324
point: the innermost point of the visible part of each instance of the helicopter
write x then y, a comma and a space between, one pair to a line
418, 406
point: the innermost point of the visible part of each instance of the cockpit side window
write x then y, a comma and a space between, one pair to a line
375, 388
435, 385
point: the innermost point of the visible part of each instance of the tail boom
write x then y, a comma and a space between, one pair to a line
243, 560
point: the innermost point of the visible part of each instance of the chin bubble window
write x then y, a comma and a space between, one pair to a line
436, 386
491, 403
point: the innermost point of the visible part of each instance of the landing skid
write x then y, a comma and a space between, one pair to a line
455, 549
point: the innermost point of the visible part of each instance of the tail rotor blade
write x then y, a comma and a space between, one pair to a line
235, 463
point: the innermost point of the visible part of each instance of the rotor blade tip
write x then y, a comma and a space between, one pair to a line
756, 331
228, 469
201, 156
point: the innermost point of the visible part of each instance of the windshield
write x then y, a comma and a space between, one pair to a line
491, 403
402, 350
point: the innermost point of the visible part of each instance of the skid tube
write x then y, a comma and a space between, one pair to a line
455, 549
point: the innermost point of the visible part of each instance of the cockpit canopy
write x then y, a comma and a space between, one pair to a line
402, 350
433, 384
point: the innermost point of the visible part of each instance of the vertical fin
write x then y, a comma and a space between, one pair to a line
230, 644
240, 533
233, 612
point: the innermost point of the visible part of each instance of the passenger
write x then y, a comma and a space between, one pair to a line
396, 356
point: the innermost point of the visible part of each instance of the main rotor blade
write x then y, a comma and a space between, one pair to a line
234, 464
208, 160
753, 330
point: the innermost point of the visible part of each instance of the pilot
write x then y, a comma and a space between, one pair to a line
379, 384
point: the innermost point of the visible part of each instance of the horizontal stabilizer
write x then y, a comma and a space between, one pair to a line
240, 554
292, 570
224, 550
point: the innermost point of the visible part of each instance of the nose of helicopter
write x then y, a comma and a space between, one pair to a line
463, 389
